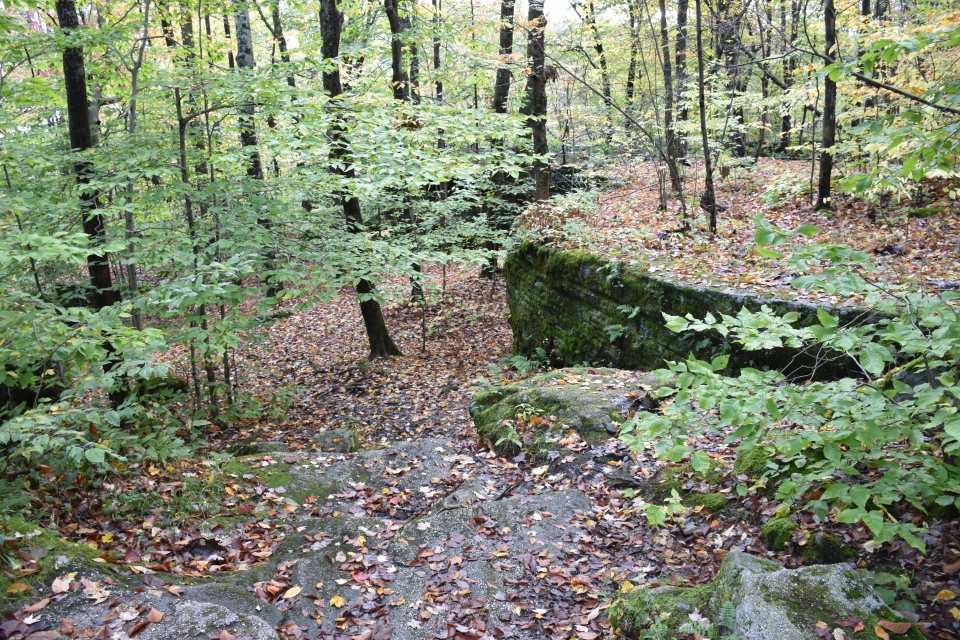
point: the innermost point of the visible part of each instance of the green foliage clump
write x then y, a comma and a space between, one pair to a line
853, 449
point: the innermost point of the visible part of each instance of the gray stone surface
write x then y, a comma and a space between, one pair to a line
337, 441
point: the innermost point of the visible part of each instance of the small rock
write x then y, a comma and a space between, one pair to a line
337, 441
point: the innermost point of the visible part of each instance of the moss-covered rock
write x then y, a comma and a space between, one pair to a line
692, 487
765, 601
824, 548
345, 440
569, 303
777, 532
593, 401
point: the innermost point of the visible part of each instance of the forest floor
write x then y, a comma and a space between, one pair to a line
163, 525
913, 241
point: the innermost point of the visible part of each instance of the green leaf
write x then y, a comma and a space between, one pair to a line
769, 253
700, 462
96, 456
825, 318
807, 229
656, 515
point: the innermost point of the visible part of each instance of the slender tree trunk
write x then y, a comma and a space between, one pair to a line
501, 87
708, 200
436, 58
129, 222
226, 34
166, 26
601, 56
94, 224
414, 73
535, 105
681, 64
248, 131
671, 141
829, 110
400, 88
331, 20
630, 87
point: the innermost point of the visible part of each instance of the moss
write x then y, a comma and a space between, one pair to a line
751, 462
777, 532
78, 557
273, 476
660, 610
715, 502
824, 548
672, 479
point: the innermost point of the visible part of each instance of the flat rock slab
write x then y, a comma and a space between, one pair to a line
591, 400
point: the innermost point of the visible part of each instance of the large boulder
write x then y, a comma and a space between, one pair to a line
759, 600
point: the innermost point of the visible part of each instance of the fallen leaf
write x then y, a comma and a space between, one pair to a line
155, 616
896, 627
883, 635
946, 595
292, 592
60, 586
337, 601
36, 606
17, 587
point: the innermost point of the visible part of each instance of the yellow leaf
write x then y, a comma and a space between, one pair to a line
883, 635
17, 587
946, 595
292, 592
955, 613
337, 601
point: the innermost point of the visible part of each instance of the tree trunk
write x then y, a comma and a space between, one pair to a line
400, 89
436, 57
535, 106
501, 88
601, 56
282, 43
630, 87
226, 34
331, 20
671, 143
829, 110
248, 131
709, 199
681, 84
78, 118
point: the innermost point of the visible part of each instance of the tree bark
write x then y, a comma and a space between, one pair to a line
829, 110
78, 118
399, 82
535, 106
501, 87
601, 56
670, 138
709, 199
630, 87
331, 21
681, 84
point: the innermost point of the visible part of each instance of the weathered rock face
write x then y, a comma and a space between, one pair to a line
767, 601
565, 301
405, 576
